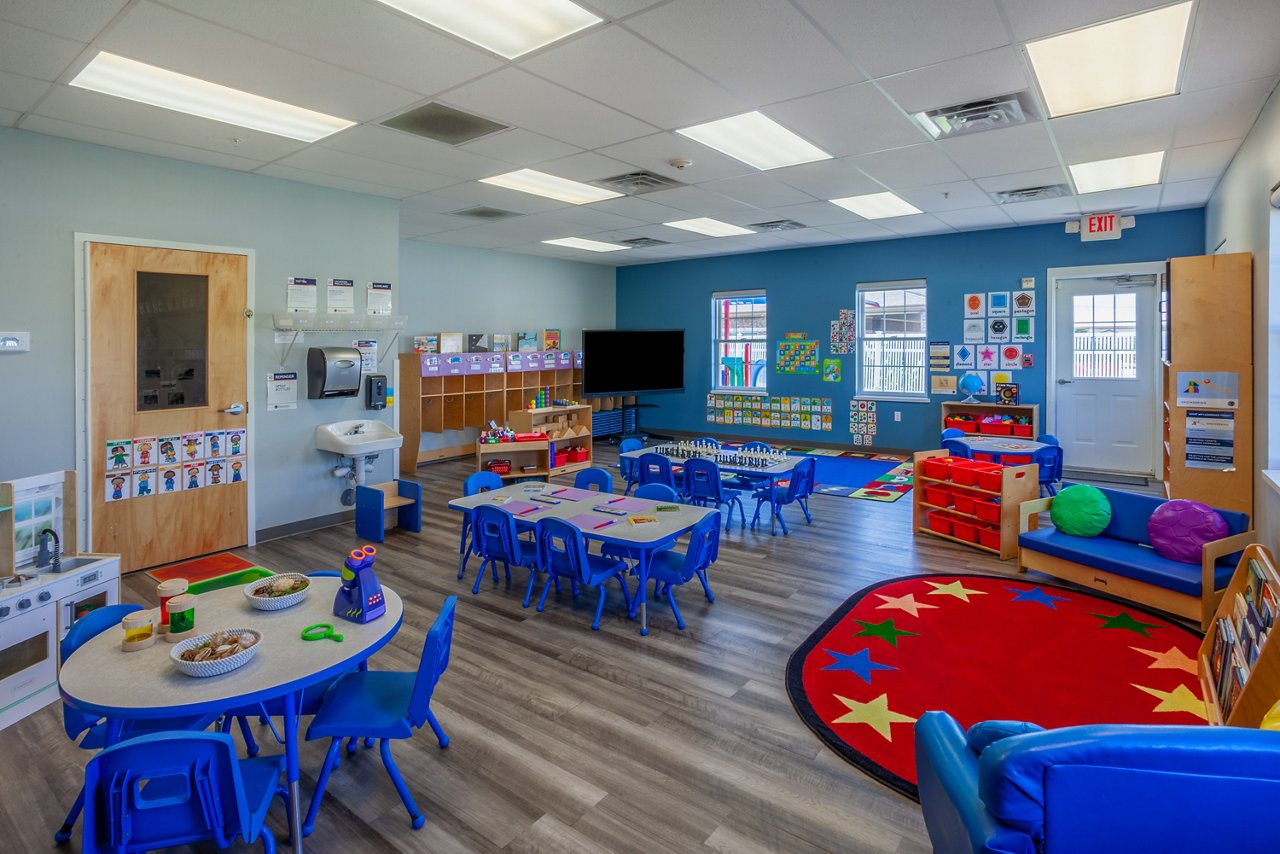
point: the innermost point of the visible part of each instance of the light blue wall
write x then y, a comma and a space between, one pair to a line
51, 188
459, 289
808, 287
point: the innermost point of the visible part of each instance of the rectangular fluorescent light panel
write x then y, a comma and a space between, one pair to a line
756, 140
549, 186
709, 227
509, 28
583, 243
877, 206
1118, 173
1131, 59
127, 78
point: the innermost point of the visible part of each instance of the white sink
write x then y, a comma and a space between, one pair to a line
357, 438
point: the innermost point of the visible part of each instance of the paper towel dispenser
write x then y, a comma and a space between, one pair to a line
333, 372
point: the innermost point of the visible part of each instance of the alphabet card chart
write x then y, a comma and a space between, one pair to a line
797, 357
787, 413
143, 466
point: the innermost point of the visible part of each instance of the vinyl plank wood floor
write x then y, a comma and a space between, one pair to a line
567, 740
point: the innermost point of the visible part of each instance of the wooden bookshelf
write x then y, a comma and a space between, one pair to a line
567, 427
1017, 484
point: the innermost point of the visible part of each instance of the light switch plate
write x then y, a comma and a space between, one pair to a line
15, 342
1028, 282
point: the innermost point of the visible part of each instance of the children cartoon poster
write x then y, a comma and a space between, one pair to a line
237, 470
237, 443
169, 479
193, 475
144, 482
144, 451
117, 486
192, 446
168, 447
213, 444
119, 454
215, 472
831, 370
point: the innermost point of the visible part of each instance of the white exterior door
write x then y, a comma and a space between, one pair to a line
1105, 373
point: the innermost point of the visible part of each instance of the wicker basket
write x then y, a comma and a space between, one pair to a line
276, 603
202, 669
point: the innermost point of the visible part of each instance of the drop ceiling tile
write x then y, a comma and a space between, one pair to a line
587, 217
304, 176
642, 209
515, 97
859, 231
1127, 200
1187, 194
759, 190
1214, 115
76, 21
916, 224
586, 166
129, 117
477, 237
807, 237
1045, 210
188, 45
405, 149
662, 232
1031, 19
34, 54
695, 201
520, 147
749, 46
972, 219
748, 243
1117, 131
1200, 161
21, 93
525, 229
656, 151
954, 195
367, 38
356, 168
885, 38
430, 203
1234, 41
1022, 180
616, 67
827, 179
998, 152
958, 81
851, 120
619, 8
417, 222
474, 193
129, 142
8, 117
913, 166
814, 214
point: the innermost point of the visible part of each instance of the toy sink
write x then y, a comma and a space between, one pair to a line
357, 438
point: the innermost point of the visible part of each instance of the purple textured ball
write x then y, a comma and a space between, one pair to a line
1179, 528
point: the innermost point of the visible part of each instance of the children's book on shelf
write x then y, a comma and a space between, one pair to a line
501, 342
429, 343
550, 339
527, 342
450, 342
477, 342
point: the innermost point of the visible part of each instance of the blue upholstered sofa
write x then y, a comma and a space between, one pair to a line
1122, 563
1102, 788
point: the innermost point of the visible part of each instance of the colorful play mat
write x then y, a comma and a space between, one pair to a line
850, 474
212, 572
984, 647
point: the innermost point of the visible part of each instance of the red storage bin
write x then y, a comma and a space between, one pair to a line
939, 521
499, 466
960, 424
938, 468
993, 429
987, 510
561, 459
991, 479
964, 530
968, 472
938, 496
964, 501
577, 455
1022, 430
989, 537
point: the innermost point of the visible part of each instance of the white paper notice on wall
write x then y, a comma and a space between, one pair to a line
300, 295
379, 301
341, 296
368, 348
282, 390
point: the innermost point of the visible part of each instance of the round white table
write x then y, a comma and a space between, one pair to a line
101, 678
1000, 447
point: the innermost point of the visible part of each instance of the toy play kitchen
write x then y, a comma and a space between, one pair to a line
45, 586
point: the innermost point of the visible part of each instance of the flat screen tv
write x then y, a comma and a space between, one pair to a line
632, 361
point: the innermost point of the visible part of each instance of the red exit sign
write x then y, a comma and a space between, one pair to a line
1103, 226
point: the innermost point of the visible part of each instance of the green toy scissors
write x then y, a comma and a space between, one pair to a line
320, 631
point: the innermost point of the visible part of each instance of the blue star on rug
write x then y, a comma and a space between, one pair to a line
1037, 595
859, 663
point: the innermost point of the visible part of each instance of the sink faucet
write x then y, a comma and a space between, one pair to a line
356, 430
44, 558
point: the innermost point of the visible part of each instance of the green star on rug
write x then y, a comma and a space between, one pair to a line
1124, 621
885, 631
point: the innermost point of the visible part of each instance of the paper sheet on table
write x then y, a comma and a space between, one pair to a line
522, 508
590, 522
572, 493
631, 505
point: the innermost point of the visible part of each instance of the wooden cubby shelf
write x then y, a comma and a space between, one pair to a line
1017, 484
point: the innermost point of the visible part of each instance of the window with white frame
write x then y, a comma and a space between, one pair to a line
892, 358
739, 335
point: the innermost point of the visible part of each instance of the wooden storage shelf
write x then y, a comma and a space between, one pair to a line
520, 453
1018, 484
977, 410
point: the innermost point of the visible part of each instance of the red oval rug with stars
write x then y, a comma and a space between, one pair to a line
985, 647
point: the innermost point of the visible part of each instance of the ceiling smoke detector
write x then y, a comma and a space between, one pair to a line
637, 183
1031, 194
976, 116
778, 225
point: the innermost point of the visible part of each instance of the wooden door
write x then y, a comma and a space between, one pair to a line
168, 403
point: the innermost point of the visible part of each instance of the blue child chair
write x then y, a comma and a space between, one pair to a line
750, 481
797, 491
594, 476
384, 704
704, 488
627, 465
1048, 439
956, 448
176, 788
709, 440
655, 468
562, 553
675, 568
1049, 459
952, 433
481, 481
494, 534
657, 492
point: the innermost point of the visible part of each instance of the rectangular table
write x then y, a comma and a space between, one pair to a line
642, 540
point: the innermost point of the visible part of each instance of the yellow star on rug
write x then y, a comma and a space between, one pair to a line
874, 714
955, 588
1180, 699
906, 603
1171, 659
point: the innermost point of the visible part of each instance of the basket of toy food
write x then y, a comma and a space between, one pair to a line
277, 591
215, 653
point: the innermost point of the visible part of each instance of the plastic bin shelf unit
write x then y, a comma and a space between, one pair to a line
972, 502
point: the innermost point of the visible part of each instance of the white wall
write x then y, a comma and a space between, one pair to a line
459, 289
51, 188
1240, 214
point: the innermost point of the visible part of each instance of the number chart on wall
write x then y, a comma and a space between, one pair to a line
787, 413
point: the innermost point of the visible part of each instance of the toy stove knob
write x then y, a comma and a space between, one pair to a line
24, 604
45, 596
4, 610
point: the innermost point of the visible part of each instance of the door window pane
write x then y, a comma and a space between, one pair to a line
1104, 340
173, 329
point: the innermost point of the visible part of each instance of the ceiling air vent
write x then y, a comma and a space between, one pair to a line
637, 183
778, 225
1031, 194
485, 213
976, 116
640, 242
443, 124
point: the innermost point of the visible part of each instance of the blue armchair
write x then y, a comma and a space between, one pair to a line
1104, 787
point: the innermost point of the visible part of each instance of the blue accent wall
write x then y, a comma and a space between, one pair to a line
807, 288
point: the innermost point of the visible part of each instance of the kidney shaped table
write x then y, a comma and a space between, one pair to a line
102, 679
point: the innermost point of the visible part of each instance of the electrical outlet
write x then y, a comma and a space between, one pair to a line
897, 415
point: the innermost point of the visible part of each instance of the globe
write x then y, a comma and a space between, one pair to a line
970, 385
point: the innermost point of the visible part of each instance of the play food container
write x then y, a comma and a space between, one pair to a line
211, 667
254, 591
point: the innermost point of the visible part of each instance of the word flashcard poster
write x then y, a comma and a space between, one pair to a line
787, 413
